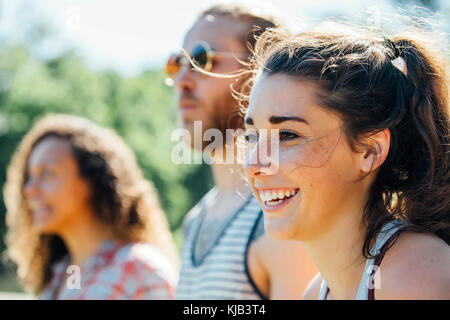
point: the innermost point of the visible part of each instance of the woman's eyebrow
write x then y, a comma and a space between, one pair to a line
280, 119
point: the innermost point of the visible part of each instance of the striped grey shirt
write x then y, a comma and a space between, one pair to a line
222, 273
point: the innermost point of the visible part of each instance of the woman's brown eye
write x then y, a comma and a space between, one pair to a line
288, 135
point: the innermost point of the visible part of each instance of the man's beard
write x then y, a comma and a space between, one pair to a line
232, 120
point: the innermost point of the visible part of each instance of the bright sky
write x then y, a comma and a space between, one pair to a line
131, 35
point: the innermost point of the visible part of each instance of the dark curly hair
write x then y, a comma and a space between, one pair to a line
122, 199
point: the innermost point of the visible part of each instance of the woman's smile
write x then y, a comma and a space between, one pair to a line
273, 199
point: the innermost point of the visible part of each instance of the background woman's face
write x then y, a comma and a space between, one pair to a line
316, 170
56, 194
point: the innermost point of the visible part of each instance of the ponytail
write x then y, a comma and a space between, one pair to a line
414, 182
425, 192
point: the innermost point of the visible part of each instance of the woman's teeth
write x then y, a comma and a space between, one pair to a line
274, 197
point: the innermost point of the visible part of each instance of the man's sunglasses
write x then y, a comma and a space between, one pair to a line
201, 55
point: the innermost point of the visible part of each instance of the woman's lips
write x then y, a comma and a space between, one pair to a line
275, 199
41, 214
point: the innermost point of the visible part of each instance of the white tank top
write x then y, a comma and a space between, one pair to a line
367, 278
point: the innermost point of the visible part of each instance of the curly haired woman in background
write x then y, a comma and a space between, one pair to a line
76, 196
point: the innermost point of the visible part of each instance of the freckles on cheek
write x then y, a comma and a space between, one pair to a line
312, 159
289, 161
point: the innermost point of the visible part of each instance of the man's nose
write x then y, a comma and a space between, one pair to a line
185, 81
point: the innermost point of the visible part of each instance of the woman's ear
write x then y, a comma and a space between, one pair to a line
375, 151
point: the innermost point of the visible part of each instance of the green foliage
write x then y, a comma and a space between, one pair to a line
141, 109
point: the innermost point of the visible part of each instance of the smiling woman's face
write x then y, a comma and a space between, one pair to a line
317, 168
55, 192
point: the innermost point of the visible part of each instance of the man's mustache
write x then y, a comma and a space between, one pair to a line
187, 96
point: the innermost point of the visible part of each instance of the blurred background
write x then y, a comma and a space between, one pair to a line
104, 60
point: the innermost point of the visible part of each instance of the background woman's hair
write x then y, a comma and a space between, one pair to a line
122, 199
356, 78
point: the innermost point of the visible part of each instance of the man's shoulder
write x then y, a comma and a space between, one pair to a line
192, 215
196, 210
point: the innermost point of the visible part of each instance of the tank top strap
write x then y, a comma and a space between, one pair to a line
323, 293
385, 238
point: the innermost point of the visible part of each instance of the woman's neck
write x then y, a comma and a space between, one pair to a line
337, 252
83, 238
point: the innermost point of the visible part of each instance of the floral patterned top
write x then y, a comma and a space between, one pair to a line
131, 271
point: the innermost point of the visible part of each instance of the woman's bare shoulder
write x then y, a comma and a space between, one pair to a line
415, 267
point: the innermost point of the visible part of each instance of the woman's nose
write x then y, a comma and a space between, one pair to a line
30, 187
261, 160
